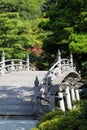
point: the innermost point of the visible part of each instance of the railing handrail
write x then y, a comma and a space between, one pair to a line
62, 70
16, 62
60, 62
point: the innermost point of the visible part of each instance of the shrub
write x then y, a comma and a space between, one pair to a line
52, 115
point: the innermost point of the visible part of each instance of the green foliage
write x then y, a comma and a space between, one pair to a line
84, 91
70, 120
52, 115
44, 61
58, 23
34, 129
19, 26
49, 125
67, 22
66, 123
27, 9
78, 43
84, 65
15, 34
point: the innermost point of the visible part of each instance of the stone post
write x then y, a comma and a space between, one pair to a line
73, 94
59, 59
27, 59
68, 98
58, 55
46, 87
77, 94
61, 102
20, 67
12, 63
3, 63
71, 60
36, 89
52, 100
36, 93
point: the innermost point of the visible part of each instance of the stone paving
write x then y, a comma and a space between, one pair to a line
17, 124
17, 92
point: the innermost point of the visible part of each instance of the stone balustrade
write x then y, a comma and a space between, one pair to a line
9, 65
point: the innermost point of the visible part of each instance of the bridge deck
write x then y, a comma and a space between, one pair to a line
16, 92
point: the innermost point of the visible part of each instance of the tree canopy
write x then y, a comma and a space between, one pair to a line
19, 26
51, 24
67, 25
15, 34
27, 9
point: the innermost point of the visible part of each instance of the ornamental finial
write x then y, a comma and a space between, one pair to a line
58, 55
71, 59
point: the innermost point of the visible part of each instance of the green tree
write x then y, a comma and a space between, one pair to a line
19, 26
67, 25
15, 35
27, 9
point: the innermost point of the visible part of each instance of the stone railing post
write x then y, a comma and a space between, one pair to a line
36, 90
46, 88
12, 65
20, 62
3, 63
58, 55
71, 61
52, 99
59, 59
61, 102
27, 59
52, 102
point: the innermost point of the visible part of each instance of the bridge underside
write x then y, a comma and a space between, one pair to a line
62, 91
66, 93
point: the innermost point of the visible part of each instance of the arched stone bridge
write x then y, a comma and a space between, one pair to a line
61, 84
56, 90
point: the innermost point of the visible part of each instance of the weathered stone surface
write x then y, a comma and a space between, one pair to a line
17, 92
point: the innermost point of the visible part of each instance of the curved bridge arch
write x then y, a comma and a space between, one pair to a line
62, 80
60, 66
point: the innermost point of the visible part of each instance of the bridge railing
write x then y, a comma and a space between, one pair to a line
61, 66
56, 70
9, 65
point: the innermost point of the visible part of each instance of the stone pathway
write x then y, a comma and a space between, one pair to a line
17, 124
17, 92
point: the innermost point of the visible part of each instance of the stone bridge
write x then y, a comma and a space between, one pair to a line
20, 94
61, 84
9, 65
